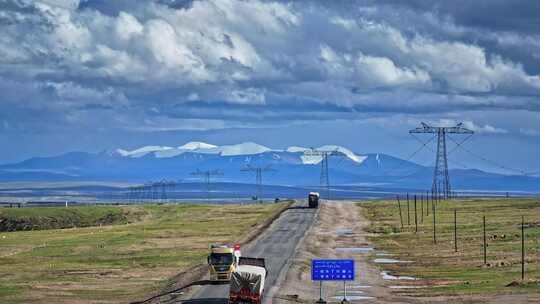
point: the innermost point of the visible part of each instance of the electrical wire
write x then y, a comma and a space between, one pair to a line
451, 161
458, 145
424, 145
492, 162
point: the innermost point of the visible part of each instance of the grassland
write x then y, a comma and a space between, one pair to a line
18, 219
448, 273
118, 263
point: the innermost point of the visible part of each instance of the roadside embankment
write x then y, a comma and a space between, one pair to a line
42, 218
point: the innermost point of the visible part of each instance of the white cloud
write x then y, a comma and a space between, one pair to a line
150, 55
370, 71
386, 72
193, 97
249, 96
529, 132
73, 92
127, 26
169, 124
63, 4
486, 128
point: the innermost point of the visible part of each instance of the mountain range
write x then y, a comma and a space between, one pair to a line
291, 166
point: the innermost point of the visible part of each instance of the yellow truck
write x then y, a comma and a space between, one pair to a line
222, 261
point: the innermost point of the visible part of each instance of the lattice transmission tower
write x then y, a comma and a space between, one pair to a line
441, 179
325, 176
258, 177
207, 175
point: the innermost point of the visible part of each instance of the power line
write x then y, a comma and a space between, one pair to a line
452, 161
458, 145
494, 163
207, 175
152, 191
325, 177
441, 178
258, 177
401, 164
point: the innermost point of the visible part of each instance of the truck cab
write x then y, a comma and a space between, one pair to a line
222, 261
313, 200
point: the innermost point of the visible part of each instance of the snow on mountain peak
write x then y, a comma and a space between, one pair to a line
140, 152
196, 145
315, 159
247, 148
357, 158
296, 149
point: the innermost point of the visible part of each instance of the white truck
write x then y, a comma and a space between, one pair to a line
247, 281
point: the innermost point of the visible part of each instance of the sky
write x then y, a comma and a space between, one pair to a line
94, 75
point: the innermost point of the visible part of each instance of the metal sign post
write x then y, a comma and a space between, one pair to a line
332, 270
320, 301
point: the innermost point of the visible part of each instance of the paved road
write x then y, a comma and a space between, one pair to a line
277, 245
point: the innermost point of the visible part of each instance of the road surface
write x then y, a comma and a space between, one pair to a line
277, 245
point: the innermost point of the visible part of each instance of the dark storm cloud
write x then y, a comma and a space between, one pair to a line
511, 28
499, 15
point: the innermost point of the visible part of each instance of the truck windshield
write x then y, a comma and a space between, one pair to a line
221, 258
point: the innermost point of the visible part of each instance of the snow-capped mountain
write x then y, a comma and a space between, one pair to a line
246, 148
293, 165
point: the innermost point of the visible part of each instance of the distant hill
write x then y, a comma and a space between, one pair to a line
290, 167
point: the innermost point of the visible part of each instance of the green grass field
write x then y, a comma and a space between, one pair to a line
17, 219
461, 273
116, 263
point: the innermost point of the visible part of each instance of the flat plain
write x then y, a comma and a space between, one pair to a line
131, 257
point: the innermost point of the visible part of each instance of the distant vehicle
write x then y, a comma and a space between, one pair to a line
313, 199
223, 260
247, 281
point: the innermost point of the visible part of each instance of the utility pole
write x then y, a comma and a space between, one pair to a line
258, 177
207, 175
441, 178
325, 178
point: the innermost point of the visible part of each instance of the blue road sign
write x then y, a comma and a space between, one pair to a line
332, 270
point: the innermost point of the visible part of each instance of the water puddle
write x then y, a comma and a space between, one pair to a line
344, 232
349, 292
389, 261
358, 286
384, 254
353, 298
387, 276
354, 250
406, 286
